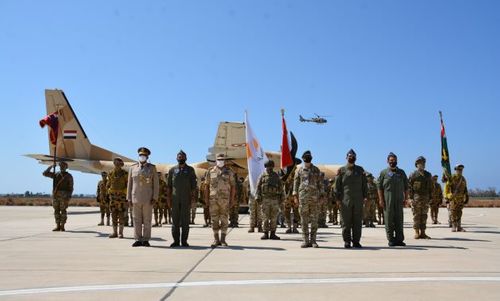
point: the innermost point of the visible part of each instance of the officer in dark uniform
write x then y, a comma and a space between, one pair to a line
181, 190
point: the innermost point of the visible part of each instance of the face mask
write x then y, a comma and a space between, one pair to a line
143, 158
420, 166
393, 164
220, 163
351, 160
181, 161
307, 159
269, 169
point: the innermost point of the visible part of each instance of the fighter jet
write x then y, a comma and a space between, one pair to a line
75, 148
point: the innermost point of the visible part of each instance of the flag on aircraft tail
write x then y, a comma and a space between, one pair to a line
286, 156
445, 158
52, 121
255, 156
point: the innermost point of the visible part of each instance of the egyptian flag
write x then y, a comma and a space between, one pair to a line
286, 156
52, 121
445, 158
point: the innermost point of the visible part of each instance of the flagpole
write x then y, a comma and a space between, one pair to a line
57, 137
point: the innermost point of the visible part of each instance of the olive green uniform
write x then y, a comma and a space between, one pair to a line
62, 189
181, 181
160, 204
117, 191
457, 192
394, 184
420, 188
270, 194
290, 206
103, 200
351, 189
436, 201
370, 205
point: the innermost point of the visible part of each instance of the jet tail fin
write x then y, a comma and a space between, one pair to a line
72, 140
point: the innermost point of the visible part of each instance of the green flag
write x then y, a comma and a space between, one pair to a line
445, 156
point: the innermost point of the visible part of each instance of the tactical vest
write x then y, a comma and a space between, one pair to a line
117, 181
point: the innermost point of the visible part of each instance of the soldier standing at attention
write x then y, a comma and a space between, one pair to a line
306, 189
182, 188
323, 200
220, 193
351, 191
371, 204
392, 194
270, 194
159, 205
206, 210
117, 193
255, 210
142, 191
102, 198
456, 192
290, 205
62, 189
194, 205
234, 210
437, 199
420, 188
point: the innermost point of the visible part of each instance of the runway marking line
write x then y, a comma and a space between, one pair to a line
90, 288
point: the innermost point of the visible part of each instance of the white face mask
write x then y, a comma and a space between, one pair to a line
143, 158
220, 163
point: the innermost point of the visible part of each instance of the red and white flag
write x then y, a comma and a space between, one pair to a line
286, 156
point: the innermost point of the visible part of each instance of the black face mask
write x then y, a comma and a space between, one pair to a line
181, 161
307, 159
269, 169
393, 164
351, 160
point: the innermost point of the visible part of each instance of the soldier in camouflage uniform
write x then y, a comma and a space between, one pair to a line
436, 200
351, 191
159, 205
371, 204
255, 210
456, 192
270, 195
221, 192
206, 210
117, 192
420, 188
335, 204
306, 190
62, 189
194, 205
290, 206
234, 211
103, 199
329, 203
323, 200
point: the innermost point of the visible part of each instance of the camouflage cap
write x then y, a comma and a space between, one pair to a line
368, 175
269, 163
420, 159
144, 151
435, 176
220, 156
459, 166
63, 164
351, 152
391, 154
182, 153
306, 153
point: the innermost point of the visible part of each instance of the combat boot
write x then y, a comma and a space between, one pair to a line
294, 230
251, 230
423, 235
107, 221
120, 234
453, 227
273, 236
114, 234
265, 236
305, 244
459, 227
417, 234
102, 221
57, 228
289, 230
61, 228
223, 240
216, 240
260, 229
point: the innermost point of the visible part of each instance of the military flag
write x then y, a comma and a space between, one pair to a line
255, 156
445, 157
52, 121
286, 155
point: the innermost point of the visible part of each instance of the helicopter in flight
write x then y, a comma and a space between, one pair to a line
318, 119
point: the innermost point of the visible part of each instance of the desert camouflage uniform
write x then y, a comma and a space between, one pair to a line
335, 205
206, 208
270, 194
160, 204
234, 214
220, 183
289, 206
307, 187
456, 192
323, 200
194, 205
103, 200
420, 189
255, 210
117, 191
436, 201
62, 189
371, 205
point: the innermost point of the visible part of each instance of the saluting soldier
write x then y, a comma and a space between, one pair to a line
270, 194
103, 199
142, 191
181, 187
117, 193
220, 191
62, 189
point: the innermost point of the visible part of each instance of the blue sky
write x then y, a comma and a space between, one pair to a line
164, 73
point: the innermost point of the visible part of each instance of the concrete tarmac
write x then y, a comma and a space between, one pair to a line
84, 264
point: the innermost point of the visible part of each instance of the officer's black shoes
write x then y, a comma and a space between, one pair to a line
392, 244
400, 244
273, 236
62, 228
304, 245
357, 245
295, 231
155, 225
372, 225
205, 226
251, 230
347, 245
288, 231
146, 244
120, 235
309, 245
265, 236
57, 228
314, 245
113, 235
137, 244
185, 244
174, 244
101, 223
